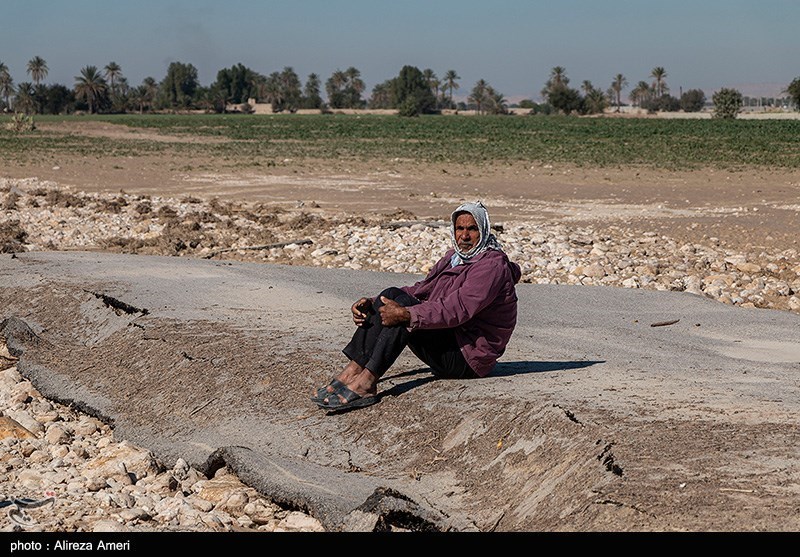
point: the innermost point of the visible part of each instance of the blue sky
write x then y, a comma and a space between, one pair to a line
512, 44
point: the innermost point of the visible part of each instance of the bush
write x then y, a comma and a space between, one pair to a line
668, 103
565, 99
543, 109
21, 123
693, 100
664, 103
794, 91
408, 107
727, 103
595, 102
410, 87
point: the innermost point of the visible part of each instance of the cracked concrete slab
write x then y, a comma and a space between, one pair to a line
592, 421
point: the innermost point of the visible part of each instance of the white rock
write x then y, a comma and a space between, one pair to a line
299, 522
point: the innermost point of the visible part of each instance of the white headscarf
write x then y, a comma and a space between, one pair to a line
487, 239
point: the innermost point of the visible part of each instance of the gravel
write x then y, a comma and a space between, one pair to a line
37, 215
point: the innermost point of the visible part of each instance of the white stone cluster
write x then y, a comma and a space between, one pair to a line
44, 216
93, 483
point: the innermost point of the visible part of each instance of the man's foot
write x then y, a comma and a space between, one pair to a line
351, 371
344, 399
364, 385
327, 390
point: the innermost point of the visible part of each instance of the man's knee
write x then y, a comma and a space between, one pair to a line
393, 293
399, 296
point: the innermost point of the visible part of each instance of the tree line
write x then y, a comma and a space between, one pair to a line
411, 92
652, 96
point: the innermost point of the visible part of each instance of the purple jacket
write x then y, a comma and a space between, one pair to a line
477, 299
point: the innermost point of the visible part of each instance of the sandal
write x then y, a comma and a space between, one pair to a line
323, 392
351, 400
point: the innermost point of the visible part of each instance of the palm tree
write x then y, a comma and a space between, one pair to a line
793, 90
334, 86
587, 87
212, 99
659, 87
596, 101
152, 87
496, 101
120, 95
122, 86
273, 92
39, 98
478, 94
291, 88
112, 72
311, 91
355, 86
256, 84
218, 99
450, 83
137, 97
6, 84
90, 85
558, 79
438, 93
558, 76
148, 91
37, 68
640, 93
344, 88
618, 85
433, 83
24, 101
429, 75
339, 79
381, 96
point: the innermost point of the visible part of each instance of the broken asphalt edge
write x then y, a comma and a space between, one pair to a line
366, 505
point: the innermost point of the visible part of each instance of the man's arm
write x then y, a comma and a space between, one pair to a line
483, 283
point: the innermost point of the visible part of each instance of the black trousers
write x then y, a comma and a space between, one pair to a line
376, 347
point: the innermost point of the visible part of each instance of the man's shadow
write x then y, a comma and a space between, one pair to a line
503, 369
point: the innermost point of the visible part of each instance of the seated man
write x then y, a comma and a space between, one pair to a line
458, 320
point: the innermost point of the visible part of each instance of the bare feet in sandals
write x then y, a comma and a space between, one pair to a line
360, 391
349, 374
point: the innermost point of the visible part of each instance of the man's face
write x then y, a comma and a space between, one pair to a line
467, 232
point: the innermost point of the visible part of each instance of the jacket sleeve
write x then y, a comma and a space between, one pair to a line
484, 280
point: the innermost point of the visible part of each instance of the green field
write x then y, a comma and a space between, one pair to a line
674, 144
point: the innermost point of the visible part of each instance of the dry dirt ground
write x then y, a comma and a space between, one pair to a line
742, 209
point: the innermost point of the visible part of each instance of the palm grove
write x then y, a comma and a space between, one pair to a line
411, 92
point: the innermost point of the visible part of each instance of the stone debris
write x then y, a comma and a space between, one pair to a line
63, 471
36, 215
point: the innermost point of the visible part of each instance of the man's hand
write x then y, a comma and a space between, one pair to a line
360, 311
393, 313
